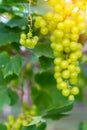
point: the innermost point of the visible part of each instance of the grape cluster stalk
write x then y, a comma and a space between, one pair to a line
65, 24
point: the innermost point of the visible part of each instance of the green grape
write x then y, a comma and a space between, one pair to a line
63, 85
71, 68
65, 92
60, 25
74, 37
57, 61
57, 75
73, 46
74, 75
59, 33
73, 81
44, 31
75, 90
42, 23
79, 46
28, 42
57, 68
73, 57
22, 41
75, 30
59, 80
78, 54
65, 74
66, 42
29, 34
67, 50
71, 98
64, 64
59, 47
23, 36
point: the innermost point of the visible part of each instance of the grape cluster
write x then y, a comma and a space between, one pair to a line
28, 40
65, 23
23, 119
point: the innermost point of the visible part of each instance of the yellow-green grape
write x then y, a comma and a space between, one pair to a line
38, 19
23, 36
29, 34
59, 33
59, 80
65, 92
71, 98
58, 8
66, 42
57, 61
74, 37
22, 41
60, 25
73, 46
49, 15
71, 68
63, 85
42, 23
65, 74
28, 42
73, 81
44, 30
75, 90
64, 64
57, 75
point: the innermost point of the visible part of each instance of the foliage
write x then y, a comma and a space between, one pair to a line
19, 65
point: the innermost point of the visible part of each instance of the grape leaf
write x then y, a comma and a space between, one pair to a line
13, 96
37, 124
43, 49
17, 22
2, 127
13, 66
8, 35
4, 59
4, 98
48, 98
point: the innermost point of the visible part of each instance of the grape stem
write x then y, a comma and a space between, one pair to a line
29, 16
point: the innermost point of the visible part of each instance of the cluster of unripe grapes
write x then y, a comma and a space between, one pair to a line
65, 24
22, 120
28, 40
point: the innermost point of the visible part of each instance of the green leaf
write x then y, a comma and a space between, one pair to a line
2, 127
41, 7
4, 8
45, 62
14, 1
17, 22
4, 98
83, 126
13, 67
4, 59
30, 128
13, 96
48, 98
8, 35
37, 124
58, 112
43, 49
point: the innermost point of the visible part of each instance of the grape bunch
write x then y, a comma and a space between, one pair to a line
28, 40
23, 119
65, 24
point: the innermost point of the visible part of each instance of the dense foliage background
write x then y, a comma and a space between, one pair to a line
31, 70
